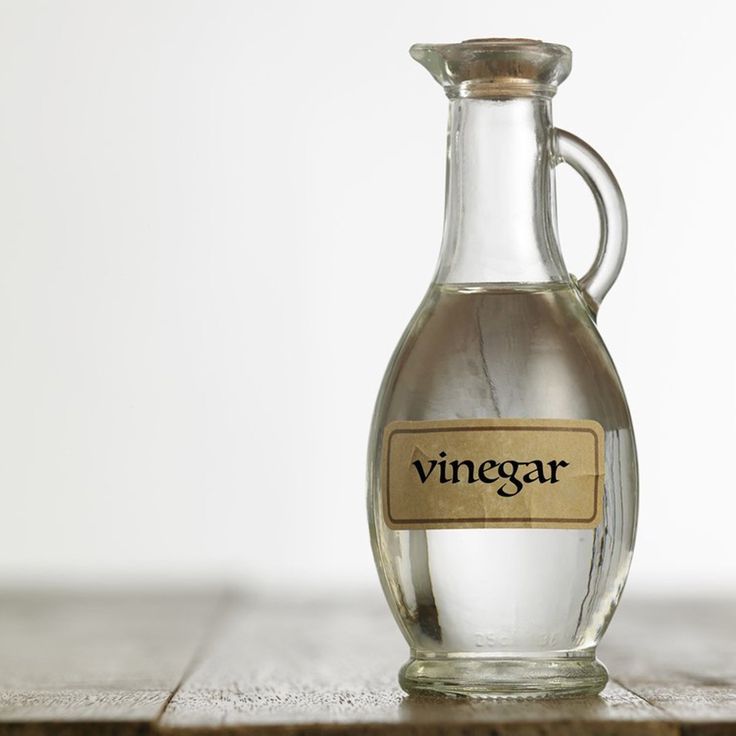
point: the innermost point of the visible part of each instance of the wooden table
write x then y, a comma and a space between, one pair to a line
209, 662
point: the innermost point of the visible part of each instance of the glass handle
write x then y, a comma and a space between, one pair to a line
611, 210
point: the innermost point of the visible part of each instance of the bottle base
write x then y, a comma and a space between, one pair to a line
512, 678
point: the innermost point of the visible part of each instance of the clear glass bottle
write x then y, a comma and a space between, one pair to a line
502, 467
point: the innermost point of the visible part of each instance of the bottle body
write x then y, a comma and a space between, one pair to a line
506, 594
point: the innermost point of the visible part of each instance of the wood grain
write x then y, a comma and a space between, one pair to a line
680, 656
204, 663
309, 668
108, 661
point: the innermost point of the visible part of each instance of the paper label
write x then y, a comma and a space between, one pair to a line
487, 473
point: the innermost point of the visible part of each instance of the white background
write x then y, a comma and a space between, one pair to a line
216, 219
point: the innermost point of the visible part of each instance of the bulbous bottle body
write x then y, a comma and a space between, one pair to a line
506, 611
502, 474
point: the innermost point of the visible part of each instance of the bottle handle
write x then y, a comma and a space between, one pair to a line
611, 210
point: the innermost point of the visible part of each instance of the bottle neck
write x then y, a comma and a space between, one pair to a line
500, 214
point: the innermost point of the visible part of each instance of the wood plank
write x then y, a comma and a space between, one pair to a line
296, 667
108, 663
685, 641
679, 655
105, 661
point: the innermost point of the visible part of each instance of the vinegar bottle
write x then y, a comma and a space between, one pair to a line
502, 467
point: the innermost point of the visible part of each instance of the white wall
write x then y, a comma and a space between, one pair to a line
215, 220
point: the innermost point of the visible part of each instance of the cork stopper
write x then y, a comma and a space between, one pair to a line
496, 67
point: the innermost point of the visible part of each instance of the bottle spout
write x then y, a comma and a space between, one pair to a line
496, 67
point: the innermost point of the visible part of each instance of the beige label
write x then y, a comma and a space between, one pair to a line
485, 473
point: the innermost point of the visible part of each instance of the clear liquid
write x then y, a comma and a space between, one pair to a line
531, 351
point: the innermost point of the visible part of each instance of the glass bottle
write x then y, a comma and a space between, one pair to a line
502, 468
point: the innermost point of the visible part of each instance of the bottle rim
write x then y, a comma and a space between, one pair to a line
496, 67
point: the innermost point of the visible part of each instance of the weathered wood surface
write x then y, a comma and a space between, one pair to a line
110, 660
681, 657
207, 663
